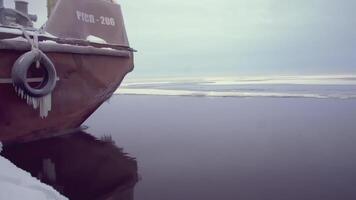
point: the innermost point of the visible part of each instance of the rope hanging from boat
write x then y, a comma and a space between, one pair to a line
41, 96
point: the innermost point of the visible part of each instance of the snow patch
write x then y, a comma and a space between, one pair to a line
49, 42
107, 48
18, 184
95, 39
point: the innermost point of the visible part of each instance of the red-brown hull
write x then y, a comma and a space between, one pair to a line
85, 82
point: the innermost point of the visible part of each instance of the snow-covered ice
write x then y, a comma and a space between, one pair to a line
17, 184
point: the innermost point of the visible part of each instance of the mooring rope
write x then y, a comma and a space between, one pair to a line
34, 44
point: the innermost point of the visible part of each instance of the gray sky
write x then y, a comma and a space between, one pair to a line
239, 37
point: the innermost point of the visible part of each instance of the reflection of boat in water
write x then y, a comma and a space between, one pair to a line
79, 166
53, 78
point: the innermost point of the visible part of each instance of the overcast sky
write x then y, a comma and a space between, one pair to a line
239, 37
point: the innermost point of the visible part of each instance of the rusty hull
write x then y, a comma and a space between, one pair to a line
85, 82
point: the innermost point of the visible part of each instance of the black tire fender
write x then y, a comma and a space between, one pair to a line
21, 67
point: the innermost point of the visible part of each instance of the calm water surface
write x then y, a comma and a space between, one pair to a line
182, 148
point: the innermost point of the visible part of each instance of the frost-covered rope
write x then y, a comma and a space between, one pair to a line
34, 44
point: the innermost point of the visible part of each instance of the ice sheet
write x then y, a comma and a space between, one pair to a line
336, 86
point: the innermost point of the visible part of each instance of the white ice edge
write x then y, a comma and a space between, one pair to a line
315, 86
346, 79
164, 92
17, 184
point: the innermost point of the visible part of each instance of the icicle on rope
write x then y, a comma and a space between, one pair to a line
43, 103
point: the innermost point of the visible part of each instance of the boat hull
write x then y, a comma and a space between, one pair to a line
84, 82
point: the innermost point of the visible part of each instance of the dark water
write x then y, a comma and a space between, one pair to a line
182, 148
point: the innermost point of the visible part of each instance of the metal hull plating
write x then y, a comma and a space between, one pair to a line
85, 82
